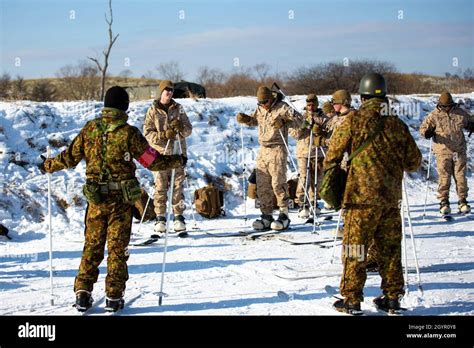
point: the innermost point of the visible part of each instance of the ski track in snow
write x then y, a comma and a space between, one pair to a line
205, 275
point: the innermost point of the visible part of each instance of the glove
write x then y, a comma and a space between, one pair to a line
175, 161
317, 130
41, 165
470, 128
305, 125
168, 134
243, 118
184, 160
430, 132
319, 141
176, 125
278, 123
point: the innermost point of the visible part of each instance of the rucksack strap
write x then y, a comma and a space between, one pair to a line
366, 143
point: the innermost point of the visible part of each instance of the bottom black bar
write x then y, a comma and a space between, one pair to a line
142, 330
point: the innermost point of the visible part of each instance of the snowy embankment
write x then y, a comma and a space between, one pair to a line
205, 274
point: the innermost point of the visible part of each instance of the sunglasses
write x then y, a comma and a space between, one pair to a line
263, 102
169, 89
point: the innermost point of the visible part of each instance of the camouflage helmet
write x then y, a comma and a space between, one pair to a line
445, 99
373, 85
341, 97
312, 98
328, 108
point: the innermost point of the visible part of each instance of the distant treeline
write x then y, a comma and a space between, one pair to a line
82, 81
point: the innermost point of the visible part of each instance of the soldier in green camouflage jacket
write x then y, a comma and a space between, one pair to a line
373, 194
109, 144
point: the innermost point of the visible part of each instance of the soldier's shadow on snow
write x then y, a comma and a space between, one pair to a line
193, 265
443, 234
450, 308
224, 304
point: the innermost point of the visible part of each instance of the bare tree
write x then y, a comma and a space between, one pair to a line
79, 82
103, 66
5, 82
262, 70
170, 71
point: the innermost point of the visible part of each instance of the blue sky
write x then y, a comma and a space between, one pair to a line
213, 33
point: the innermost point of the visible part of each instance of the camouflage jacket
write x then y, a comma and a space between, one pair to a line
157, 120
302, 134
374, 175
333, 123
109, 145
449, 136
264, 119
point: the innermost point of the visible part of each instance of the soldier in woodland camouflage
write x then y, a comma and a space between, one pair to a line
108, 144
373, 194
445, 126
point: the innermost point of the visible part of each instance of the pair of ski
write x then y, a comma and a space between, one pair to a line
449, 217
155, 237
334, 292
256, 234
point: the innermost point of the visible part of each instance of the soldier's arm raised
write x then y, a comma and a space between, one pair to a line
149, 128
69, 158
149, 157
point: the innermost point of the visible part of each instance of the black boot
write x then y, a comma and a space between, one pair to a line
114, 304
282, 222
372, 267
391, 306
346, 307
83, 300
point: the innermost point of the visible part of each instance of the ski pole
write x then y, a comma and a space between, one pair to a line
149, 197
335, 236
299, 177
170, 208
187, 185
50, 231
284, 95
315, 191
427, 179
407, 207
244, 170
404, 241
308, 163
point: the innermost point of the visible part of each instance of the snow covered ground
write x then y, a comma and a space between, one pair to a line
205, 274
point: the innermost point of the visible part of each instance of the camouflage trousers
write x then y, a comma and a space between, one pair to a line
382, 227
162, 184
302, 163
109, 222
271, 178
454, 165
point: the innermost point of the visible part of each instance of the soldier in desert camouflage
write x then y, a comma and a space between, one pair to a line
273, 118
445, 125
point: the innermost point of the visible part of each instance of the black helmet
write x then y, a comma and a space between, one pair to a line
373, 84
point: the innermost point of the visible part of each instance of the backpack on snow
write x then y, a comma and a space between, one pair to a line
209, 201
